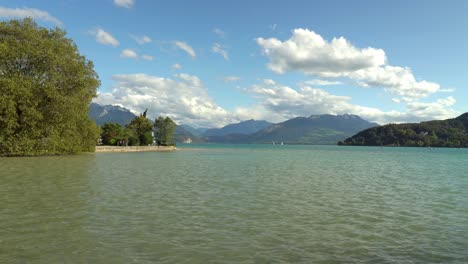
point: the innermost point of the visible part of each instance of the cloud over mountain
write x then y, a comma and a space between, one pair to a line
276, 102
183, 98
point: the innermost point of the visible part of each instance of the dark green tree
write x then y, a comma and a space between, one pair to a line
141, 127
164, 130
113, 134
46, 87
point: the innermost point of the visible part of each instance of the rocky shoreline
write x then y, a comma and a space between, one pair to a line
108, 149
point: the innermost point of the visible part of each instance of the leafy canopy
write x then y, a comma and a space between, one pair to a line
46, 87
164, 130
141, 127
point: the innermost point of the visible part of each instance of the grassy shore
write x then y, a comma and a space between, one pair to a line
107, 149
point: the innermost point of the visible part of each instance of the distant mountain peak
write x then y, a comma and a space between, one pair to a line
244, 127
110, 114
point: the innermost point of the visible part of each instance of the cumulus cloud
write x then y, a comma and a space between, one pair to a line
185, 47
221, 50
124, 3
308, 52
128, 53
104, 37
399, 81
28, 12
230, 79
183, 98
142, 40
147, 57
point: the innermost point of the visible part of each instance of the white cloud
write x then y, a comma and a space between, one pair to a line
124, 3
183, 98
128, 53
28, 12
278, 102
230, 79
142, 40
220, 49
104, 37
434, 110
399, 81
320, 82
186, 100
448, 90
219, 32
309, 53
147, 57
185, 47
176, 66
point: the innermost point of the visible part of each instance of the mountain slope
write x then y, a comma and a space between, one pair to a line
194, 131
438, 133
244, 127
316, 129
181, 134
110, 114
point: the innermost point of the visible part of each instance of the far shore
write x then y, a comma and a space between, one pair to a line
109, 149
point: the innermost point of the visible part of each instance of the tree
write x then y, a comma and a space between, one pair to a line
142, 128
46, 87
113, 133
164, 130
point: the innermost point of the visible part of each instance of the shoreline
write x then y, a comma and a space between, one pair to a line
113, 149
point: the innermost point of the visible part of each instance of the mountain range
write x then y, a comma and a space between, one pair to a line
110, 114
315, 129
245, 127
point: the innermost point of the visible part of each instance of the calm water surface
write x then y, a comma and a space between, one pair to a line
237, 204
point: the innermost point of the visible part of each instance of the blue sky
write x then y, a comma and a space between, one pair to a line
210, 64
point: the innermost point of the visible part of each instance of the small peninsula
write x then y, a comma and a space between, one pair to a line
450, 133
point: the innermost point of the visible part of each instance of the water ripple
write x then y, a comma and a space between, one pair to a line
254, 204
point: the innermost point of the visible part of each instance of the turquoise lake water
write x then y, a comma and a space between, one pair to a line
237, 204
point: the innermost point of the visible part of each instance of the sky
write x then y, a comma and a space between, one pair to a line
212, 63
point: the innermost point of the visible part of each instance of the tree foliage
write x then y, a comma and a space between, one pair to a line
444, 133
164, 130
141, 127
46, 87
114, 134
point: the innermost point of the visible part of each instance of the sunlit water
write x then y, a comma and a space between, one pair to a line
237, 204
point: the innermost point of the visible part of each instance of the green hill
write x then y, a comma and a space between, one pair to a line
439, 133
316, 129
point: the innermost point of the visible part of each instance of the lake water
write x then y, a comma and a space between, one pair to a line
237, 204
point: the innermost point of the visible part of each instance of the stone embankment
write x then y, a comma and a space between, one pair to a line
104, 149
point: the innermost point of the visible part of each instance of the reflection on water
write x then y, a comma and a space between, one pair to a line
236, 204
